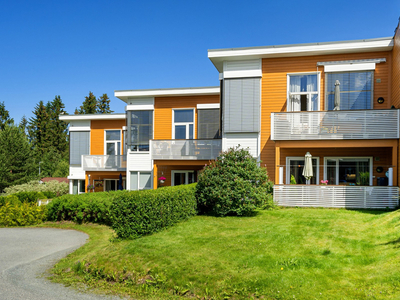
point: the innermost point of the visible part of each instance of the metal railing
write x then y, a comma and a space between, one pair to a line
104, 162
336, 125
338, 196
186, 149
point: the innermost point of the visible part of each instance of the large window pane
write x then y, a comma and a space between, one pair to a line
183, 116
144, 181
113, 135
180, 132
296, 171
303, 83
141, 130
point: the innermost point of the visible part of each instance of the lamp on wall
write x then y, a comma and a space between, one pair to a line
381, 100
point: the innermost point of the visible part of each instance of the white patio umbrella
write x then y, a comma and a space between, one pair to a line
337, 95
308, 170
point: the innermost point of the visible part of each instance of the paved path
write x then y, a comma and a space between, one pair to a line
26, 253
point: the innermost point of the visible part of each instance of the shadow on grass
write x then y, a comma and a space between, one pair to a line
396, 243
373, 211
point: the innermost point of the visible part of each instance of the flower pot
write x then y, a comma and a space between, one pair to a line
162, 181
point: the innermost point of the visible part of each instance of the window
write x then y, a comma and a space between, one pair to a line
183, 177
140, 130
208, 123
79, 145
140, 181
113, 142
183, 124
348, 170
303, 92
355, 90
294, 170
78, 186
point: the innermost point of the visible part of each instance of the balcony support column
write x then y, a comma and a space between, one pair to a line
277, 162
155, 179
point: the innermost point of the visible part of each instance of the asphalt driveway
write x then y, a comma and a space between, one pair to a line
26, 253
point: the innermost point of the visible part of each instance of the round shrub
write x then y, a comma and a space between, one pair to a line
233, 184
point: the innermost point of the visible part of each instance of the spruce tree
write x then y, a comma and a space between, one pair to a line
103, 105
89, 106
16, 163
4, 116
23, 124
57, 128
38, 132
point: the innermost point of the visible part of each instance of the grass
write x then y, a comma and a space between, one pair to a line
280, 254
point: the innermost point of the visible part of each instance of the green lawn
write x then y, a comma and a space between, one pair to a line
280, 254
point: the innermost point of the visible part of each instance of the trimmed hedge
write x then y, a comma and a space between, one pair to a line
30, 197
138, 213
21, 214
90, 207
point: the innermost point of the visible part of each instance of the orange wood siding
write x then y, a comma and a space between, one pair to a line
101, 175
163, 112
97, 134
396, 70
274, 90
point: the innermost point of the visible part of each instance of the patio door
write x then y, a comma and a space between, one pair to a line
294, 170
183, 177
348, 170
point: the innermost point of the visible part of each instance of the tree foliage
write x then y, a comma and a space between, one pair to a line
89, 106
233, 184
16, 164
5, 118
103, 105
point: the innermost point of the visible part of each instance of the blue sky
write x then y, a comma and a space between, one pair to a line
69, 48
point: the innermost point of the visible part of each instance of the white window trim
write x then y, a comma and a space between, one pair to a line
120, 140
116, 182
181, 171
289, 158
184, 123
352, 157
208, 106
318, 73
138, 180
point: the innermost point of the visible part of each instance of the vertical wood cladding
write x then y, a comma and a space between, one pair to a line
396, 78
163, 112
274, 90
97, 134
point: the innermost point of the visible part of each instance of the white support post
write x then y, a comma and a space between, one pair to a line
390, 177
280, 175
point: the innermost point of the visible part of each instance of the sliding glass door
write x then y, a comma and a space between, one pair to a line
348, 170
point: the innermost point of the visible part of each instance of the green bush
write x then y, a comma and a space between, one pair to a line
12, 199
49, 195
90, 207
233, 184
137, 213
55, 187
30, 197
21, 214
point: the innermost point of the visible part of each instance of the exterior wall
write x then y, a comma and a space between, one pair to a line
245, 140
95, 175
97, 134
274, 90
163, 112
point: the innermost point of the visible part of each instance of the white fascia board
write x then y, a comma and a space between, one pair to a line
219, 56
93, 117
140, 107
208, 106
79, 128
349, 67
130, 95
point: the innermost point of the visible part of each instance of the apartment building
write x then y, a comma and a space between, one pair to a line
339, 101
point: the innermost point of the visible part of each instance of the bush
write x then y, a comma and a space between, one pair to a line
137, 213
90, 207
21, 214
9, 199
55, 187
30, 197
233, 184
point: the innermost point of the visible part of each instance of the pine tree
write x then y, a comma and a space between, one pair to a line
16, 163
59, 129
4, 116
38, 133
89, 106
103, 105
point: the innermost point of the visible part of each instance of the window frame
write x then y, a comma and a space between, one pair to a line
152, 131
318, 92
184, 123
289, 158
138, 180
195, 173
114, 141
353, 71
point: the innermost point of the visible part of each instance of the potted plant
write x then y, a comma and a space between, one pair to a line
90, 187
162, 179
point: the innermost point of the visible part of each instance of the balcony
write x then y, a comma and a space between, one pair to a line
337, 196
186, 149
104, 162
335, 125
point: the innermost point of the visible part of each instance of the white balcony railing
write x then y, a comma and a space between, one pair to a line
335, 125
338, 196
186, 149
104, 162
